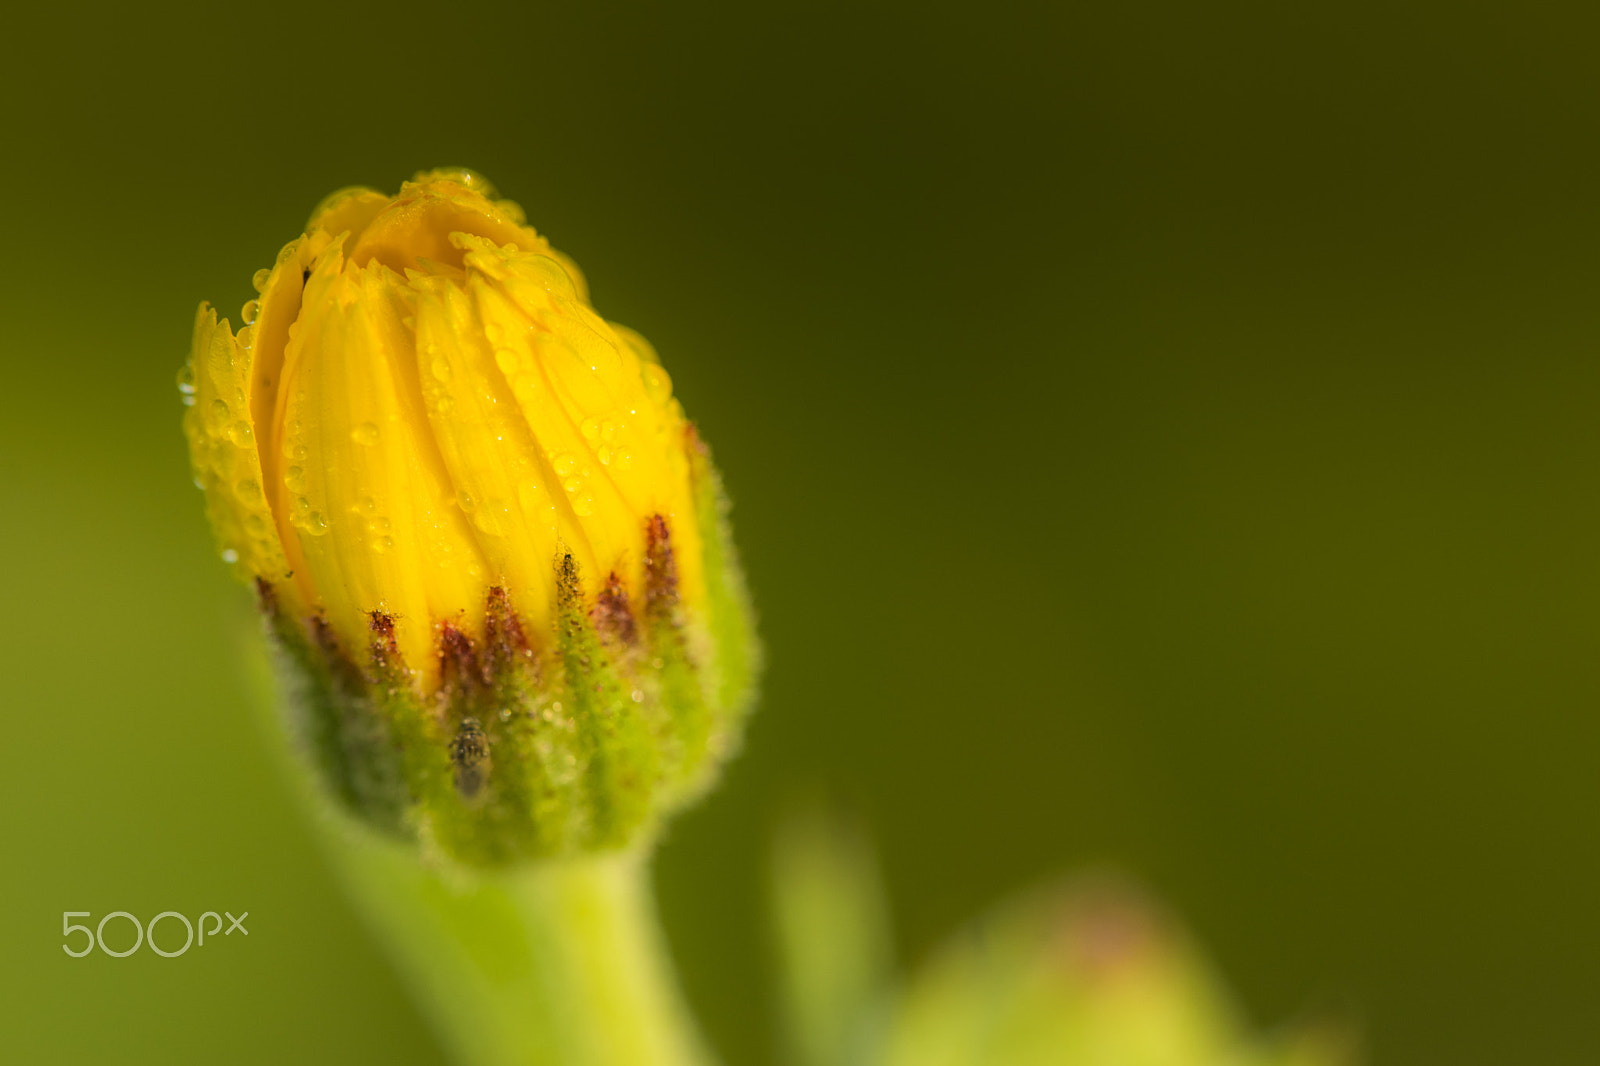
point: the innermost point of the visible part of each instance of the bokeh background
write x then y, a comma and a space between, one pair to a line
1161, 435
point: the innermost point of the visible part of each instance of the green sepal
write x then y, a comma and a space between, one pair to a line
732, 653
620, 759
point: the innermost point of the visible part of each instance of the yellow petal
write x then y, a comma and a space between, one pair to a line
365, 494
222, 446
429, 408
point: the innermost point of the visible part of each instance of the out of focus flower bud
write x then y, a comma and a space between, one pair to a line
491, 546
1085, 975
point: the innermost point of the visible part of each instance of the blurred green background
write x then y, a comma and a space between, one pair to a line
1161, 435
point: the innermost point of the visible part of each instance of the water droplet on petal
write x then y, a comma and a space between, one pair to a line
507, 360
241, 434
365, 433
441, 368
230, 556
261, 278
657, 385
314, 523
217, 414
590, 428
186, 379
247, 313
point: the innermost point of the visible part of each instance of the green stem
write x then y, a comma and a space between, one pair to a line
559, 963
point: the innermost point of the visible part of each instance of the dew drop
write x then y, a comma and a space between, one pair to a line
365, 433
572, 484
255, 524
230, 556
186, 379
260, 279
590, 428
217, 414
507, 360
241, 434
247, 313
564, 464
462, 176
583, 506
441, 368
468, 504
295, 479
657, 385
246, 337
382, 544
249, 489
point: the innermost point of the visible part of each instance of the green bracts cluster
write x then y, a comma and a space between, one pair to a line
536, 745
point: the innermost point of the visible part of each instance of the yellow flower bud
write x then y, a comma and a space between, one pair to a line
462, 494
